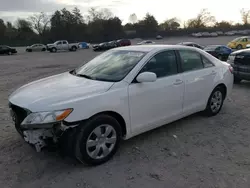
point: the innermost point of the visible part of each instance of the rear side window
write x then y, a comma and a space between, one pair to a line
190, 60
206, 62
162, 64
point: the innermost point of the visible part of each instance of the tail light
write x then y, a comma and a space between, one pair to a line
231, 69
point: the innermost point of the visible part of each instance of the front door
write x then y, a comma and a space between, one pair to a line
156, 103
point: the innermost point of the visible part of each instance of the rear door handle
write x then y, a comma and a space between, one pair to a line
178, 82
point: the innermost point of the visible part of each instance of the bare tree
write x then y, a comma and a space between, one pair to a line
245, 16
133, 18
40, 22
101, 14
203, 19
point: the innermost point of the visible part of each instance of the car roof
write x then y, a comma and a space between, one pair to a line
148, 48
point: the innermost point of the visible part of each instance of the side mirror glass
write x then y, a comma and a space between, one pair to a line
146, 77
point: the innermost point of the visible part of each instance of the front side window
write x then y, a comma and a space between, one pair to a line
162, 64
190, 60
110, 66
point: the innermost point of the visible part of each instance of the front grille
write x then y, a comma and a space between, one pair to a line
19, 115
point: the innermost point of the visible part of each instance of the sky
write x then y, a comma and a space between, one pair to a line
10, 10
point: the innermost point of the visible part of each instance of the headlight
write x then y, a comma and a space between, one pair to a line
46, 117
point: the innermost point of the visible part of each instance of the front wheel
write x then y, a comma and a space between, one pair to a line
9, 53
215, 102
73, 48
98, 140
54, 50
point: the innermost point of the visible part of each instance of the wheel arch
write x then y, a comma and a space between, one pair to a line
118, 117
224, 89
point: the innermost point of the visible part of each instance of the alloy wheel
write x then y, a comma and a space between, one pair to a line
216, 101
101, 141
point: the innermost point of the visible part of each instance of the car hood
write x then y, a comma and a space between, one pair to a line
51, 92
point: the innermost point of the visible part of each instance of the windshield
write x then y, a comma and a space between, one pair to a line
111, 65
210, 47
236, 40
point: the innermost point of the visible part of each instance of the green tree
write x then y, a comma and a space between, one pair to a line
170, 24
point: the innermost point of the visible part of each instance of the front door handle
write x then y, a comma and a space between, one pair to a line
178, 82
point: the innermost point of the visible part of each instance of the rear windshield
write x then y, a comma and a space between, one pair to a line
210, 47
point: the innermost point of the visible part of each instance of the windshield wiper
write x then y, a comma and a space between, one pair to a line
85, 76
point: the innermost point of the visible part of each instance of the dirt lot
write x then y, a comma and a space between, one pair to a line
193, 152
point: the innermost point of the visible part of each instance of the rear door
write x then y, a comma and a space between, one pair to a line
198, 75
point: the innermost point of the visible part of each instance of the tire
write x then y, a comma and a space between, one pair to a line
239, 47
217, 96
94, 154
54, 50
73, 48
9, 53
237, 80
43, 49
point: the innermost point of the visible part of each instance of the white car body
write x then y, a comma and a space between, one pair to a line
143, 106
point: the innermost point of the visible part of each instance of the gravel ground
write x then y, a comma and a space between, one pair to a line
193, 152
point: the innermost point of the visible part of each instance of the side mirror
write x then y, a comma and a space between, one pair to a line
248, 46
146, 77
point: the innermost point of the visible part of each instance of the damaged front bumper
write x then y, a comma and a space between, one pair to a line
41, 136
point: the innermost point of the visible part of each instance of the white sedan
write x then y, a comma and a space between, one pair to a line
117, 95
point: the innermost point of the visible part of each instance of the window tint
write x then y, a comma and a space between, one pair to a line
206, 62
190, 60
162, 64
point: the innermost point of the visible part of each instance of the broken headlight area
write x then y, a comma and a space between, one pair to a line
46, 137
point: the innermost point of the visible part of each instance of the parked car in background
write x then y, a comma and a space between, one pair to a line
123, 42
219, 32
239, 43
197, 35
112, 44
83, 45
101, 47
248, 46
192, 44
213, 34
36, 48
117, 95
7, 50
62, 45
146, 42
229, 33
159, 37
240, 61
219, 51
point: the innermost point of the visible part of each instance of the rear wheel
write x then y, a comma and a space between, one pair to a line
98, 140
215, 102
239, 47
